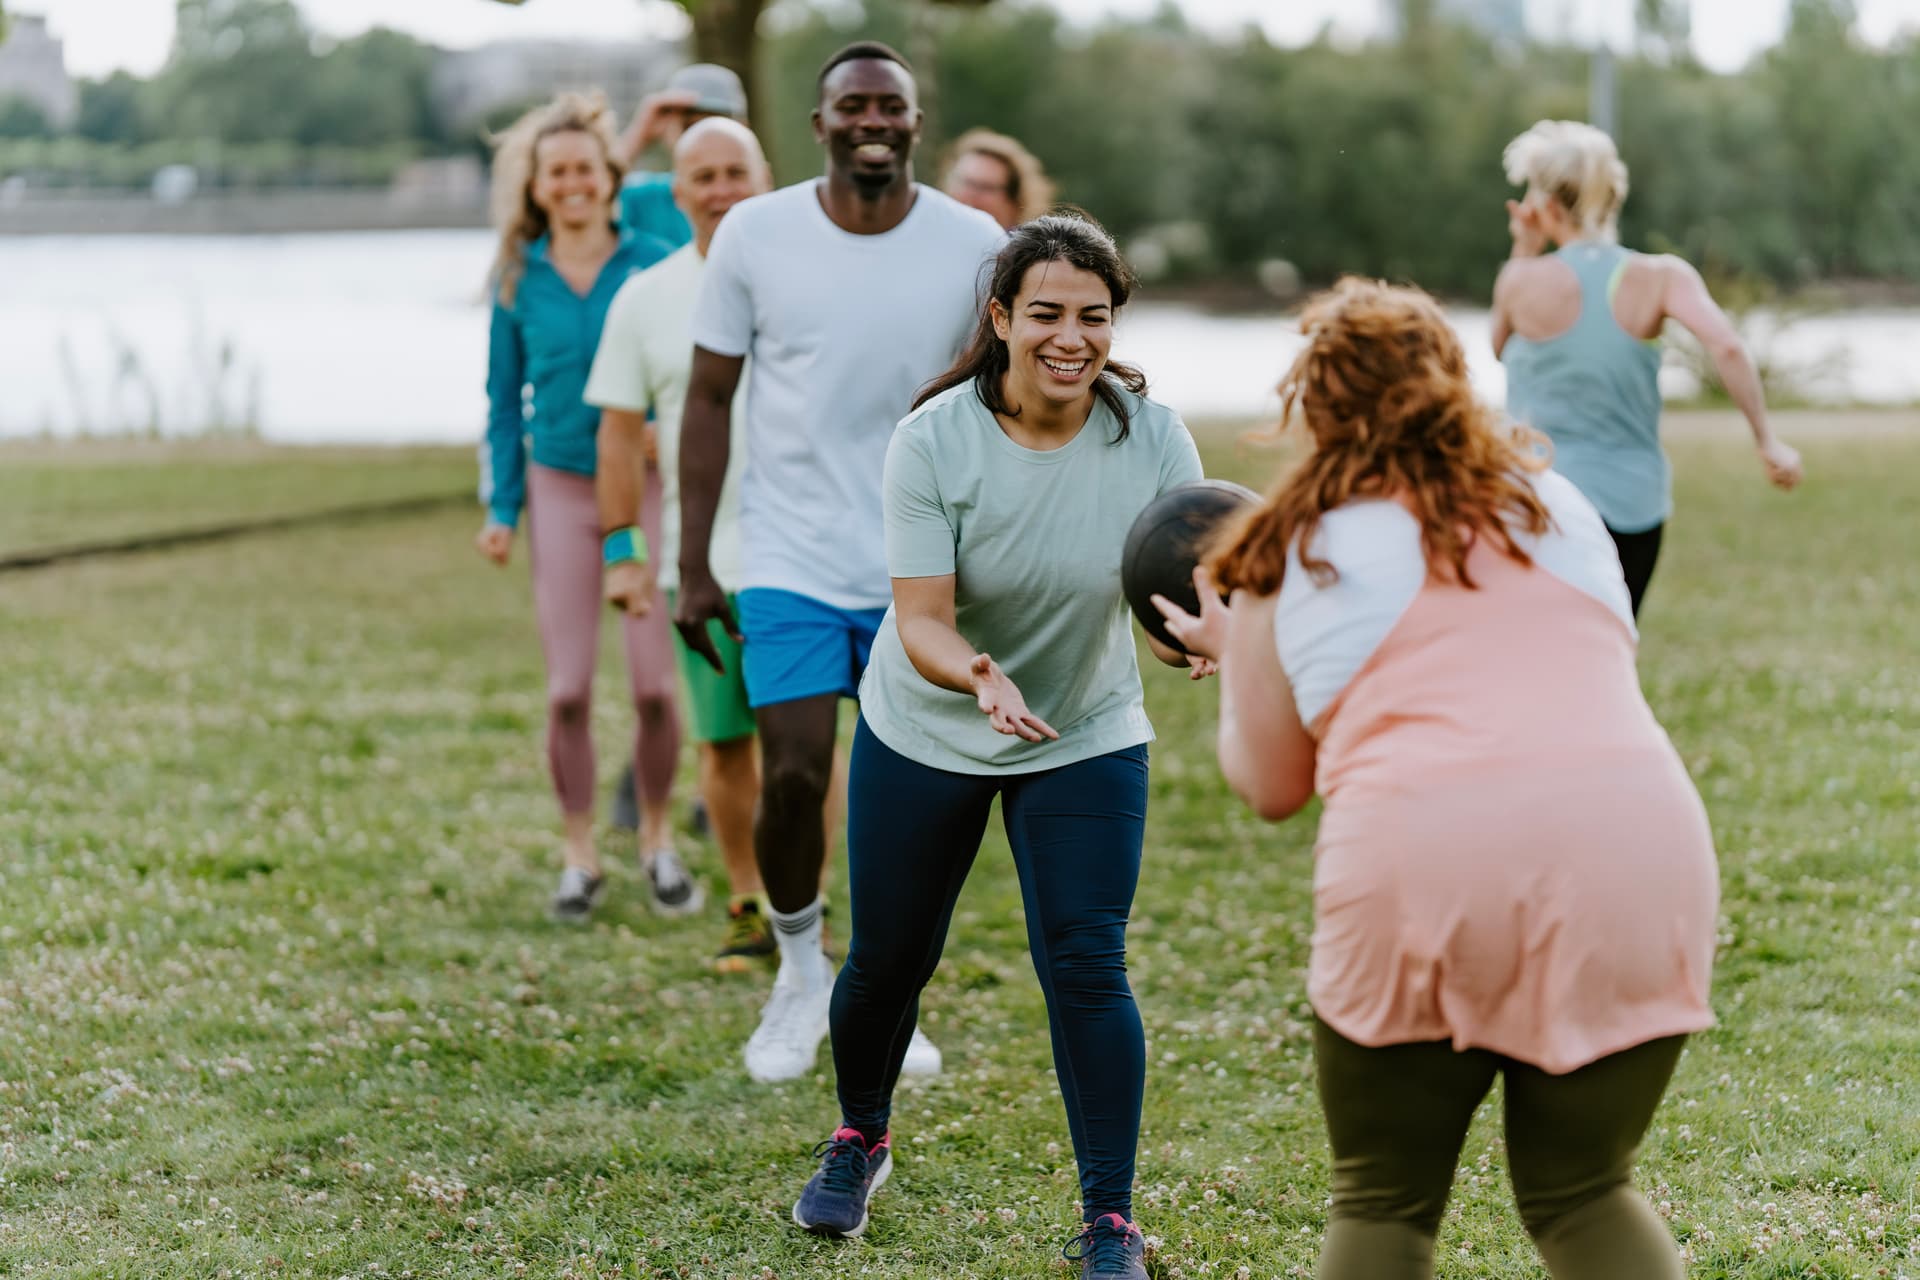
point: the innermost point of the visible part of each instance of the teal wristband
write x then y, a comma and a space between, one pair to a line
623, 545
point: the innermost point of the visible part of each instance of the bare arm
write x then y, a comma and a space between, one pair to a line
1684, 298
1265, 752
923, 612
652, 122
618, 481
1529, 242
1172, 657
619, 474
1502, 321
705, 442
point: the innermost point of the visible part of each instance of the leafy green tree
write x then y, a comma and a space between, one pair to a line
117, 109
372, 90
239, 71
23, 118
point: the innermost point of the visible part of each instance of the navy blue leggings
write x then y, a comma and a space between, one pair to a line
1076, 832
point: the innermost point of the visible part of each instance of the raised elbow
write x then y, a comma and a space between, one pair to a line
1273, 794
1277, 803
1729, 352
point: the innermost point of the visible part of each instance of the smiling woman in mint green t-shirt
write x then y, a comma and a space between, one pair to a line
1006, 668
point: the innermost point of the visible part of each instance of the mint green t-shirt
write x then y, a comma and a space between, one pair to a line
1034, 542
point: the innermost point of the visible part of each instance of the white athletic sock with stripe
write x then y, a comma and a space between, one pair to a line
798, 936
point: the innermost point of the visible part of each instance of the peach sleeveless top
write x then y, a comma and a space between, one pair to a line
1511, 855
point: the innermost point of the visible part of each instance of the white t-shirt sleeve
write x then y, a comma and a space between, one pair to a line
723, 316
1179, 458
619, 376
1325, 634
1577, 549
920, 538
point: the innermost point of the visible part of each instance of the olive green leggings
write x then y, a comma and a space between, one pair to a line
1397, 1116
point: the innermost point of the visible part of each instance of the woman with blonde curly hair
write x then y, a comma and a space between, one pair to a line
561, 260
1514, 874
1579, 328
998, 176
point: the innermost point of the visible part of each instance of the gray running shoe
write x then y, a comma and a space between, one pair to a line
579, 890
675, 892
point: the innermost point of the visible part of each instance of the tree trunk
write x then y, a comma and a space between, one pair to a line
727, 32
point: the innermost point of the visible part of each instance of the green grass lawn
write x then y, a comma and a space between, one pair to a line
278, 996
101, 490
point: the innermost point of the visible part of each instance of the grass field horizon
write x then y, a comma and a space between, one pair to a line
278, 996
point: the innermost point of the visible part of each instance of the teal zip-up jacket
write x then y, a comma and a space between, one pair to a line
539, 353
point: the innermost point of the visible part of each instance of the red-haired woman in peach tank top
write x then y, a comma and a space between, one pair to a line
1514, 875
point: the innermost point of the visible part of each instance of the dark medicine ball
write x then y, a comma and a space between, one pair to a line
1165, 544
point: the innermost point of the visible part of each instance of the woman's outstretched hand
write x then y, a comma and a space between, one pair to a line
1003, 704
1782, 462
1203, 637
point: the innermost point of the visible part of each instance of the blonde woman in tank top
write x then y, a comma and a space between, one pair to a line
1577, 322
1514, 874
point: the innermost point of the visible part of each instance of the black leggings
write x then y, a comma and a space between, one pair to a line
1637, 551
1076, 832
1397, 1115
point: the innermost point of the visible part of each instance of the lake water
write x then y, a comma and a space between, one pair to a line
381, 337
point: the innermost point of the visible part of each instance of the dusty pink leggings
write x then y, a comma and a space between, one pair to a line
563, 536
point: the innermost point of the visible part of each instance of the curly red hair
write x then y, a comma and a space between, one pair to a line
1382, 389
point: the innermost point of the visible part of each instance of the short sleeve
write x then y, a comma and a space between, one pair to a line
619, 378
1179, 458
920, 537
1325, 633
723, 315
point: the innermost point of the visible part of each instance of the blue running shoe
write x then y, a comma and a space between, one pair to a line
835, 1200
1111, 1248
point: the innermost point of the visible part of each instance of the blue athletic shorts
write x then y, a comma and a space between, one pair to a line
797, 647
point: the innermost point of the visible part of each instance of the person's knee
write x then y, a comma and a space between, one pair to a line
568, 706
1546, 1210
1087, 962
654, 707
1609, 1231
1368, 1191
730, 759
795, 782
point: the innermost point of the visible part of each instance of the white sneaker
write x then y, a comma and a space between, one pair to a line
923, 1056
792, 1025
672, 890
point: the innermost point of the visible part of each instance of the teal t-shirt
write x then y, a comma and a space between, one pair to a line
1034, 540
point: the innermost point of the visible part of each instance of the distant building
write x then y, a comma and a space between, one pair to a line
470, 83
1505, 19
33, 66
1581, 22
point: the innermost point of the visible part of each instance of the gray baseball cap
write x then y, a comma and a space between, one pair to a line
717, 91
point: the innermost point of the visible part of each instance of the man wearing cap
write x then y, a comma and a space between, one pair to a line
696, 92
693, 93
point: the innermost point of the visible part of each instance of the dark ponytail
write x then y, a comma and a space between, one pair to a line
1077, 240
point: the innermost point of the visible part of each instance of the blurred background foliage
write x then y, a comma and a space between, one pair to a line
1216, 157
